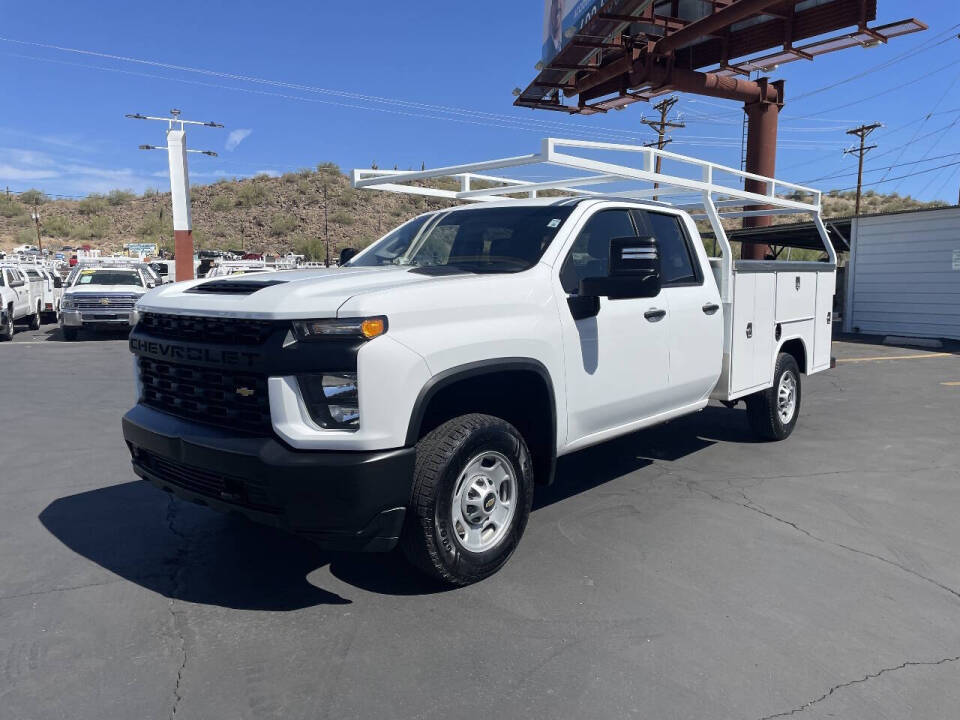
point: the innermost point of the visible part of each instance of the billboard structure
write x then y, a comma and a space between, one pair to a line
611, 53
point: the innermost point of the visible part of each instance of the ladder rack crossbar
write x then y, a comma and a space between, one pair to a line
775, 197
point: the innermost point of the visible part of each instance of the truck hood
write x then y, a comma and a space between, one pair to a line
283, 295
104, 290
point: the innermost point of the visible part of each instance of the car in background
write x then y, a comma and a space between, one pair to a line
163, 270
102, 298
52, 294
16, 301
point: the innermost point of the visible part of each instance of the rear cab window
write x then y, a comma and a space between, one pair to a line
678, 261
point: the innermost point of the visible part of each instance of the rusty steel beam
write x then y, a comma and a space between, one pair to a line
712, 23
762, 121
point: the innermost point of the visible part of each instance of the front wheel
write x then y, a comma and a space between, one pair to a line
773, 412
472, 493
6, 332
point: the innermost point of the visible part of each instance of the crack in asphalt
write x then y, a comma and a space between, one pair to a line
174, 591
68, 588
749, 504
810, 703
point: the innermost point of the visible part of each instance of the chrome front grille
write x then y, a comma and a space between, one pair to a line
105, 303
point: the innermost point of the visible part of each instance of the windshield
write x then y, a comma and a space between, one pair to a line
109, 277
494, 240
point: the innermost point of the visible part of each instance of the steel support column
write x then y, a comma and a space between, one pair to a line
762, 116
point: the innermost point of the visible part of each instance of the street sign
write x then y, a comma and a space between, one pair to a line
142, 248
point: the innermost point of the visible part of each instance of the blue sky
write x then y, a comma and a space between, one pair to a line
421, 81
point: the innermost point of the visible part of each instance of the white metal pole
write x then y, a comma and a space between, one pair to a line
180, 195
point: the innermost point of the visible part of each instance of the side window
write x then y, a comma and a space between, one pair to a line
590, 254
677, 265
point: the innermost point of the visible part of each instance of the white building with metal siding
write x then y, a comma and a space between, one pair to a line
904, 274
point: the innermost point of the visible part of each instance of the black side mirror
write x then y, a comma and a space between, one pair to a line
634, 271
346, 254
58, 282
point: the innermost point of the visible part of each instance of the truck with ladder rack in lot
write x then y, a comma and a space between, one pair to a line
416, 395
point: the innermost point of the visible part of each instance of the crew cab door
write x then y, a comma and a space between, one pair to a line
21, 291
616, 363
696, 316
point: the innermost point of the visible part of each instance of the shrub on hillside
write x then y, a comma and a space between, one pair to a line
328, 167
342, 218
10, 207
120, 197
151, 192
152, 229
95, 228
222, 203
26, 237
93, 204
251, 194
57, 226
282, 224
33, 197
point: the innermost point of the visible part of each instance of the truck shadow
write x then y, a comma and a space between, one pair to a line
190, 553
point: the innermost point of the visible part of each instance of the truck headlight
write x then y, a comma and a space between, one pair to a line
332, 399
362, 328
66, 304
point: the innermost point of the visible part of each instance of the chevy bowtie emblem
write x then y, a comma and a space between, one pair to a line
244, 391
104, 301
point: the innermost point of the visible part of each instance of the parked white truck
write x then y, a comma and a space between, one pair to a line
417, 394
102, 297
18, 300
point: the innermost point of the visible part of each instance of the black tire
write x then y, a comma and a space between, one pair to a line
69, 334
763, 408
35, 319
6, 332
430, 540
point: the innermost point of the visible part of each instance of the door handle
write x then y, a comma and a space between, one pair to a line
655, 315
710, 308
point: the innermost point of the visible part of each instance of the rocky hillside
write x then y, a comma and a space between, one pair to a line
262, 214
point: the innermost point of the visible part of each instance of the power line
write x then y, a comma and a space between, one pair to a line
951, 64
901, 177
878, 169
927, 117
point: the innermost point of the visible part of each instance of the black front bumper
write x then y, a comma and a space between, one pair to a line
343, 500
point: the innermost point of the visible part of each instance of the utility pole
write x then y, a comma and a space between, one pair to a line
36, 218
861, 150
660, 127
179, 185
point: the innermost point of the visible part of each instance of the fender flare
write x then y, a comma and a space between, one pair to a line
476, 369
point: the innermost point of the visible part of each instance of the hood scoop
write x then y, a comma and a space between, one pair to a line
233, 287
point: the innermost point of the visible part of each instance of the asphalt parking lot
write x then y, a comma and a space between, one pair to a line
681, 572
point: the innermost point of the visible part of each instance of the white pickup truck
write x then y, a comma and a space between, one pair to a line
103, 297
417, 394
19, 300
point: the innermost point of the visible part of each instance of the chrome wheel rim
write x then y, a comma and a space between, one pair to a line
484, 501
787, 397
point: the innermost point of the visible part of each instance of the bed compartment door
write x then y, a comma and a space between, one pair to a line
823, 326
796, 296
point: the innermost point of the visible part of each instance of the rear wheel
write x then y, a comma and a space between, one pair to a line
773, 412
473, 489
35, 319
69, 334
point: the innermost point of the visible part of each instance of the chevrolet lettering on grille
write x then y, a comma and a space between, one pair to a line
193, 354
